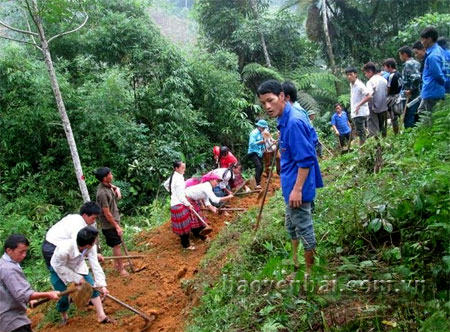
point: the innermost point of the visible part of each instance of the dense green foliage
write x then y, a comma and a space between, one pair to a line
391, 226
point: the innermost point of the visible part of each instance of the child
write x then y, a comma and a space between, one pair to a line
15, 291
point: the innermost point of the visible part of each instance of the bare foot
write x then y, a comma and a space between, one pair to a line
192, 248
124, 273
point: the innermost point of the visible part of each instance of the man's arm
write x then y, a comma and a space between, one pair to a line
335, 129
295, 198
111, 220
435, 69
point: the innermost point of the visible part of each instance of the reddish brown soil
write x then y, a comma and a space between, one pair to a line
158, 286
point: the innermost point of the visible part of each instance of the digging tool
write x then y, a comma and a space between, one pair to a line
266, 189
331, 153
240, 187
80, 295
248, 192
207, 228
227, 209
148, 319
118, 257
125, 250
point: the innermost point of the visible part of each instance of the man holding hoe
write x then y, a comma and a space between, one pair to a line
300, 173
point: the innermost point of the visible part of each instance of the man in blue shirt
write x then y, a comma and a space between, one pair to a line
300, 173
433, 78
341, 126
256, 149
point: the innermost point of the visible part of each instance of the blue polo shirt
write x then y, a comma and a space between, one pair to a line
297, 151
341, 123
433, 78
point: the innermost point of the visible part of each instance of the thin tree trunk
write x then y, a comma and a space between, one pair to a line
263, 41
328, 43
61, 107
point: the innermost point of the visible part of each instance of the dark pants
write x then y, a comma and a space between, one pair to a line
382, 122
47, 251
344, 139
411, 115
185, 237
360, 126
25, 328
257, 161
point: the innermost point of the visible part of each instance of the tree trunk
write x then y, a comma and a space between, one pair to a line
263, 41
328, 43
61, 107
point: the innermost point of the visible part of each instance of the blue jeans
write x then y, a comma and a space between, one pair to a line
58, 284
299, 225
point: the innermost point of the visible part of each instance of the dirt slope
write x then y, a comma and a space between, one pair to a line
158, 286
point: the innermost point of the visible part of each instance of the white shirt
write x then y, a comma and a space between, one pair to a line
68, 263
358, 92
178, 189
202, 191
65, 229
224, 174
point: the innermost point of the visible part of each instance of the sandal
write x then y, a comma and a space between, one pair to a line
106, 320
192, 248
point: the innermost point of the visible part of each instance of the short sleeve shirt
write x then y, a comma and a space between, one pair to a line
394, 83
107, 199
341, 123
358, 92
377, 86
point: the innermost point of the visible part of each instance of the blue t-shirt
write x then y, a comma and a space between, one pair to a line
341, 123
297, 151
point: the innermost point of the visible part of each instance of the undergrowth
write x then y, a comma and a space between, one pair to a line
383, 256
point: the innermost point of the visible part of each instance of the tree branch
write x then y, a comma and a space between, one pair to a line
20, 41
18, 30
70, 31
29, 29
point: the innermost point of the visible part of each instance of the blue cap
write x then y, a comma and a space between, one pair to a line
262, 123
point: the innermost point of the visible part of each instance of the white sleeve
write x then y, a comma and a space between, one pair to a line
180, 192
97, 271
209, 192
59, 263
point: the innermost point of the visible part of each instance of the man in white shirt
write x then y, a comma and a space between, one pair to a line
67, 228
359, 107
68, 265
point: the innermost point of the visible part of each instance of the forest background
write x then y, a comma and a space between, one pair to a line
139, 98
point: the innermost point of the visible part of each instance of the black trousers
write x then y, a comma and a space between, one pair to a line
257, 161
185, 237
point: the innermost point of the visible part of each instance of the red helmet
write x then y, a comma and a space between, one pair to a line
216, 150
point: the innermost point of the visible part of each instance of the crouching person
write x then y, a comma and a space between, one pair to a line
15, 291
68, 265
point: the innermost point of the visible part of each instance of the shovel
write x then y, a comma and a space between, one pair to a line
207, 228
80, 295
147, 318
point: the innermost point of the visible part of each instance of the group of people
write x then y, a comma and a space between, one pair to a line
73, 239
391, 95
66, 246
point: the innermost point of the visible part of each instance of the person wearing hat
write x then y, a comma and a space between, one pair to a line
107, 197
256, 146
198, 195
